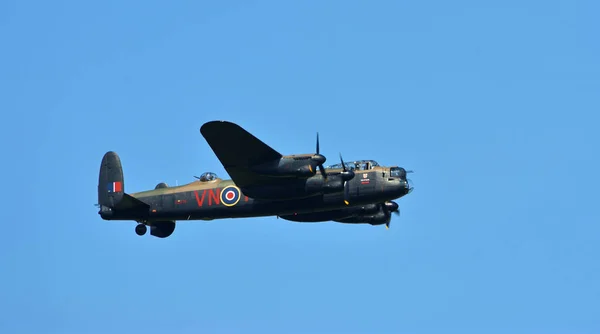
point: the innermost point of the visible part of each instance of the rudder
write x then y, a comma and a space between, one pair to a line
111, 185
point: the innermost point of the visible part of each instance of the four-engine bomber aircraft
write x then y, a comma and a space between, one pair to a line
263, 183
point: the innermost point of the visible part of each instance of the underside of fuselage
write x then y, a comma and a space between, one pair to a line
373, 214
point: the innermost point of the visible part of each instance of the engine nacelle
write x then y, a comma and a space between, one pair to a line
302, 171
345, 215
369, 214
378, 218
319, 185
162, 229
315, 216
368, 209
300, 166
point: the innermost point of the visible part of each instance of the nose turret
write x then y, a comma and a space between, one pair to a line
399, 181
409, 186
402, 173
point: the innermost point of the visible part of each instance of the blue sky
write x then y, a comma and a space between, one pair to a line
493, 104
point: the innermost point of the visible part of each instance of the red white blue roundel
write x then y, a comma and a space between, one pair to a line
230, 195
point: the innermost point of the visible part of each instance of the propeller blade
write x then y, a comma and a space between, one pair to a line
346, 176
389, 208
346, 193
318, 143
397, 213
318, 159
386, 210
322, 170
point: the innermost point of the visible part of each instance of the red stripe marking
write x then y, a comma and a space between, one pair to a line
214, 195
199, 200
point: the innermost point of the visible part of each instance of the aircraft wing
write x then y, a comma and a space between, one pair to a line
238, 150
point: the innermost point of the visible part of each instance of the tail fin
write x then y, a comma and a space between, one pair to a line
111, 186
111, 192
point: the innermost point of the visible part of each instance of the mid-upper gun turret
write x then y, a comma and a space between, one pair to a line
207, 177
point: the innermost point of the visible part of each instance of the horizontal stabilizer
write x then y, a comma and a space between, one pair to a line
130, 203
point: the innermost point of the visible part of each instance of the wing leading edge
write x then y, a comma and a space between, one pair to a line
238, 151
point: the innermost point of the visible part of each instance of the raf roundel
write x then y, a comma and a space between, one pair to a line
230, 195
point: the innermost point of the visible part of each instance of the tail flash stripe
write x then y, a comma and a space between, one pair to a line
115, 187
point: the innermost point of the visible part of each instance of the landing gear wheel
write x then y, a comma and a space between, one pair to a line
140, 229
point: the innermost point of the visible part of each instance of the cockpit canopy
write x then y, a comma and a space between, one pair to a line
356, 165
208, 176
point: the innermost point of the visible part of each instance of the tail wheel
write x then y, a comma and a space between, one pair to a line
141, 229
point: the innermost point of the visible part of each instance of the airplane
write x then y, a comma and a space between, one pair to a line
263, 183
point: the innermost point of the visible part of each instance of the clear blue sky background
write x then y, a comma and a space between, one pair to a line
493, 104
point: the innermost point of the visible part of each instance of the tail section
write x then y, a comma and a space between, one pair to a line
110, 183
113, 201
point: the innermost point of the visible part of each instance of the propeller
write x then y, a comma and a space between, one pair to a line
319, 159
389, 208
346, 175
410, 183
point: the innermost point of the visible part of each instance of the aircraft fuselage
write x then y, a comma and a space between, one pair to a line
219, 199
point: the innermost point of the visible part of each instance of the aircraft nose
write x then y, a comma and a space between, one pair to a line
402, 173
398, 181
409, 186
406, 185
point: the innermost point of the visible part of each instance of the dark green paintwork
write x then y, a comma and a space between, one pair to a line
269, 184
